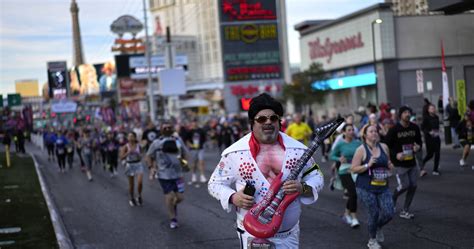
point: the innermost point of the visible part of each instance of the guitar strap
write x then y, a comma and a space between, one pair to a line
313, 168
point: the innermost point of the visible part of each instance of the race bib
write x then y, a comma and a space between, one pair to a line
69, 149
379, 177
60, 150
407, 152
435, 133
196, 140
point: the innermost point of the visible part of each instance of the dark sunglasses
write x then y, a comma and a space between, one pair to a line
262, 119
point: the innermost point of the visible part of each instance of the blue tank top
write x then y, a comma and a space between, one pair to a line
376, 177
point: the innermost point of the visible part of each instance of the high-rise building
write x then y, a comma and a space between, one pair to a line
198, 18
409, 7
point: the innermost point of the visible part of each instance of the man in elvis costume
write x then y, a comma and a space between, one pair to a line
258, 158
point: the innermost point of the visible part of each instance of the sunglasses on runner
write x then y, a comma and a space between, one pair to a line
262, 119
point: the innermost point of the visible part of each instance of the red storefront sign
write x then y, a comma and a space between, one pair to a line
319, 50
251, 90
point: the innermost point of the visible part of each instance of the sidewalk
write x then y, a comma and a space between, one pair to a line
24, 220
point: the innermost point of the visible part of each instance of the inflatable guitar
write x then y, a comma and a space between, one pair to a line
263, 220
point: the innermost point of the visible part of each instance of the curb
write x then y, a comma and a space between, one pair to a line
64, 241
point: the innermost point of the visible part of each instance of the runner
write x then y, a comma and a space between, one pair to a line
111, 151
78, 134
50, 139
258, 159
343, 153
299, 130
87, 151
372, 164
465, 132
70, 147
132, 154
430, 128
195, 138
149, 135
404, 139
166, 152
60, 145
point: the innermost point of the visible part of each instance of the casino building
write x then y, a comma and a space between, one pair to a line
373, 56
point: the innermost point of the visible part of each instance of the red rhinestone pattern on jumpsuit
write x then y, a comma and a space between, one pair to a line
246, 170
291, 164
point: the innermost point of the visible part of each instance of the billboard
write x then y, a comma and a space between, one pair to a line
250, 40
27, 88
58, 80
106, 76
132, 89
135, 65
84, 80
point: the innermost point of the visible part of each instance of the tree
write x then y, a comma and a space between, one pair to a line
301, 92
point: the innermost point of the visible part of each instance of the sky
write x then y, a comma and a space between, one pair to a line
33, 32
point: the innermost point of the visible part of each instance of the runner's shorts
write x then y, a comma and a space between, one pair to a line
195, 155
172, 185
135, 168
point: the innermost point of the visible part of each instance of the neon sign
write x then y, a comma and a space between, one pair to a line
319, 50
346, 82
250, 33
241, 10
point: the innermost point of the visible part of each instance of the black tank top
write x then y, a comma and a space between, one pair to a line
376, 177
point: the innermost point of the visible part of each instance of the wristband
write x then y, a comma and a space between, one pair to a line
366, 166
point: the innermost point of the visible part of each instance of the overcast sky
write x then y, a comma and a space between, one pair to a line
33, 32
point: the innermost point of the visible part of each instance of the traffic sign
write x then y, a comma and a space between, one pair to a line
14, 99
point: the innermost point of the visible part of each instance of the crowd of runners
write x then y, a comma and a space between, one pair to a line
382, 142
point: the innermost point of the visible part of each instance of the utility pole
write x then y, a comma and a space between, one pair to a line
170, 64
151, 97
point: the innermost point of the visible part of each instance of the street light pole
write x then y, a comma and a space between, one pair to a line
376, 21
151, 98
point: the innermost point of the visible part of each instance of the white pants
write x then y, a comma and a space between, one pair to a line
285, 240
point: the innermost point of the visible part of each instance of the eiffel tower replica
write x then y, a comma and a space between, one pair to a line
76, 35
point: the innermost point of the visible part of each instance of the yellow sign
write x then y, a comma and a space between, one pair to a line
250, 33
461, 94
27, 88
203, 110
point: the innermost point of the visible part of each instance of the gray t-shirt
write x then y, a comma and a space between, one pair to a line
166, 152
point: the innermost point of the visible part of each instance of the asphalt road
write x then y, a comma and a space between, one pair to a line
97, 215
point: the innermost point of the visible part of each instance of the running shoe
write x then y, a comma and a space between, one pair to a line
423, 173
132, 202
462, 163
193, 179
379, 236
355, 223
140, 201
347, 219
472, 167
373, 244
203, 179
435, 173
406, 215
174, 224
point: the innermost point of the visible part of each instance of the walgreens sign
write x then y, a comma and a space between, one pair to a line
318, 49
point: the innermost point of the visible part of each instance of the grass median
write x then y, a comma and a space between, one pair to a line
22, 205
